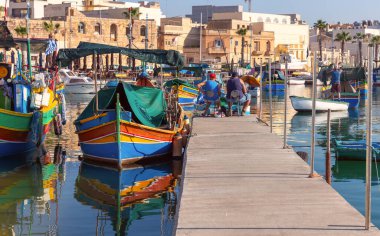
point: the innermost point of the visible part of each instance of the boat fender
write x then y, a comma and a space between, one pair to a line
177, 145
35, 134
184, 134
187, 124
57, 124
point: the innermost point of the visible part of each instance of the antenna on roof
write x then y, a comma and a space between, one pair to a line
249, 5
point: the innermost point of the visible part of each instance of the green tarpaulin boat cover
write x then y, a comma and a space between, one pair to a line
177, 82
147, 104
168, 57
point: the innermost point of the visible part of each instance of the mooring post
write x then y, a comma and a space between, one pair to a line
286, 101
312, 174
261, 89
369, 141
328, 150
270, 94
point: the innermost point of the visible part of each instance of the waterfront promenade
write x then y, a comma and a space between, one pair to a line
239, 181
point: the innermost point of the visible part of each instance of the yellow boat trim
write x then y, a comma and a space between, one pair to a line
13, 129
92, 118
14, 113
123, 138
128, 123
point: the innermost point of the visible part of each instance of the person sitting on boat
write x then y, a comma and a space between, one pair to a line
335, 81
211, 91
237, 84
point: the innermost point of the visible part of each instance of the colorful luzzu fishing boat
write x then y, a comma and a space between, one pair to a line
187, 94
130, 123
26, 113
134, 193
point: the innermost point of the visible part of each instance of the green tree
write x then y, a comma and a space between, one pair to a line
343, 37
51, 28
375, 42
21, 31
321, 26
359, 39
132, 14
242, 32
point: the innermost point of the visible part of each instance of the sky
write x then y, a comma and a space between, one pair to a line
332, 11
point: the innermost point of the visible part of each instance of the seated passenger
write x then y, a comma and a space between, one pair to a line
237, 84
211, 91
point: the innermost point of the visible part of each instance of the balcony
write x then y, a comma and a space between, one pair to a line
257, 53
215, 50
269, 53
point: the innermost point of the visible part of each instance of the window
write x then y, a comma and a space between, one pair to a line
243, 26
236, 43
218, 43
238, 26
218, 59
257, 46
127, 31
75, 81
268, 20
284, 21
142, 30
81, 28
275, 21
113, 32
190, 60
98, 28
19, 13
268, 46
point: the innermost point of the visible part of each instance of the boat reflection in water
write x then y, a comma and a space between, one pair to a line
133, 194
28, 190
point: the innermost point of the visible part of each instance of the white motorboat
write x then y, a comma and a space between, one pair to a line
75, 83
255, 92
296, 81
303, 104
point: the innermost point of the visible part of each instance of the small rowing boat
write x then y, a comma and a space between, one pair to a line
303, 104
355, 150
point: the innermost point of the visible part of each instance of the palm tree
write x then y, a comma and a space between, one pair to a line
51, 28
242, 32
359, 39
375, 41
21, 31
321, 26
343, 37
133, 14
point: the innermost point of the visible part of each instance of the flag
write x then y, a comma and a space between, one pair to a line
51, 47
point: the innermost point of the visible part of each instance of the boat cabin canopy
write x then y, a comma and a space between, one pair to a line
168, 57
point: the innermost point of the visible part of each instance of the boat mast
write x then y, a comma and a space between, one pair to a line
28, 40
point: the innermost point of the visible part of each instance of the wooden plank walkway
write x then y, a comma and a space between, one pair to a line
239, 181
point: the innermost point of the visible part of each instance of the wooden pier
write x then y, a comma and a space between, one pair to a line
238, 180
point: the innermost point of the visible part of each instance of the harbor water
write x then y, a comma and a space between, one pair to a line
59, 195
348, 177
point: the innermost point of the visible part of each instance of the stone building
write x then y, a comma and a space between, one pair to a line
221, 43
76, 27
291, 34
177, 32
